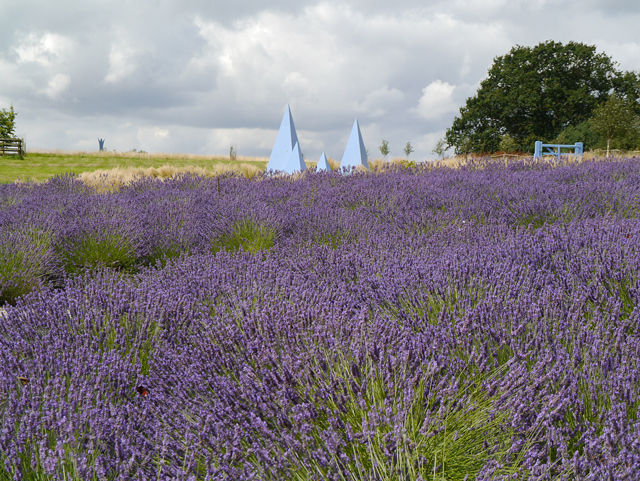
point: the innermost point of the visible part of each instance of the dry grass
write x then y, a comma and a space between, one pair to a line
109, 180
597, 154
379, 165
333, 163
479, 162
613, 154
249, 171
104, 176
382, 165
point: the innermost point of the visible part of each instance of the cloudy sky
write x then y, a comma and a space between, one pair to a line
195, 76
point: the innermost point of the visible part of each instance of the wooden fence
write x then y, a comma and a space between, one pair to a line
11, 147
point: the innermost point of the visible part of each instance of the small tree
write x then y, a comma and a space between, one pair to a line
583, 132
384, 148
614, 118
440, 148
507, 144
7, 122
408, 149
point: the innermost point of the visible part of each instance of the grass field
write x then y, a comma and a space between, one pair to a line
41, 165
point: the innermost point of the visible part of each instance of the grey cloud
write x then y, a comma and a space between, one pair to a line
615, 7
193, 76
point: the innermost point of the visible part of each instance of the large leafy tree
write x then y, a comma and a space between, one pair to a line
534, 93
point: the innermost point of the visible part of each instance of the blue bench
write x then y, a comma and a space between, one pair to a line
539, 152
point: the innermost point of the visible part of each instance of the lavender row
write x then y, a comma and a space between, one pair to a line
63, 227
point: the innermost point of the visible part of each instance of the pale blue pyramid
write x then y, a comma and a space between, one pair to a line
355, 154
295, 162
323, 164
285, 141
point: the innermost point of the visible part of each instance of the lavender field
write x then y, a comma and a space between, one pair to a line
419, 324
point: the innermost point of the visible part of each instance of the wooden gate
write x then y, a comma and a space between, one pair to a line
11, 147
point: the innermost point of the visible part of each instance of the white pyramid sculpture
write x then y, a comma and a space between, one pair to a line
295, 162
285, 142
323, 164
355, 154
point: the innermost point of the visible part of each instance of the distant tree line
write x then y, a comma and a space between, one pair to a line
384, 149
551, 92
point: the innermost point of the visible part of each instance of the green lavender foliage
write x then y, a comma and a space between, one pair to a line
248, 235
94, 250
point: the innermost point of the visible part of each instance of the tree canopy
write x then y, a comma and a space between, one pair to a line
7, 122
535, 93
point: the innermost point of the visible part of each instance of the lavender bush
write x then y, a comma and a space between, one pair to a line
26, 259
426, 323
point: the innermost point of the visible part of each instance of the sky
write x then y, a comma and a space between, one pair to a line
199, 76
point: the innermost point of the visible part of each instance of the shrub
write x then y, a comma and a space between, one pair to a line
248, 235
25, 262
94, 250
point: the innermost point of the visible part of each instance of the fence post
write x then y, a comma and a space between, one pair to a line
578, 148
538, 150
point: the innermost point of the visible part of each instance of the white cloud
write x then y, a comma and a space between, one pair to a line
332, 62
161, 133
121, 63
296, 85
57, 85
43, 49
378, 102
436, 100
427, 142
154, 138
10, 81
627, 54
243, 139
266, 59
466, 65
